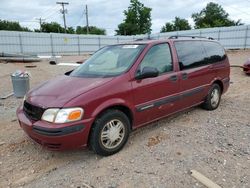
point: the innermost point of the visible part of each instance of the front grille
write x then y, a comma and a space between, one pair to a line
32, 112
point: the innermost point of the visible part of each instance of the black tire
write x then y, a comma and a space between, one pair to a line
209, 104
96, 142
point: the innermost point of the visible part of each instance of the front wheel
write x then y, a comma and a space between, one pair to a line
110, 133
212, 100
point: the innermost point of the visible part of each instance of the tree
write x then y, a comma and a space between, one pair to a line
70, 30
137, 20
213, 15
178, 24
92, 30
52, 27
12, 26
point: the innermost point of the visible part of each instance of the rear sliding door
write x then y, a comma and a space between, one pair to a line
195, 72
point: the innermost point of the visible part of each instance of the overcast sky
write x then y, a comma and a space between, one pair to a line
108, 14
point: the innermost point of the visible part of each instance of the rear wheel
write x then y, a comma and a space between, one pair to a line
212, 100
110, 133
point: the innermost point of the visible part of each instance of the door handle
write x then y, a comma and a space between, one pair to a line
184, 76
173, 78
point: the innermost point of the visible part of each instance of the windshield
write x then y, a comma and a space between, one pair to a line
109, 61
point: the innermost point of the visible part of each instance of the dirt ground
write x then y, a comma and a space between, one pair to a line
215, 143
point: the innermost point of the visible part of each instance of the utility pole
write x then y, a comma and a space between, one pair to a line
40, 20
87, 18
63, 11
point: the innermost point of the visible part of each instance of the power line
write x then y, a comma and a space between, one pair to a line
40, 20
63, 11
243, 12
48, 11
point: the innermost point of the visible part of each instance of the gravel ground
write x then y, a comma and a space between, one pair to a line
215, 143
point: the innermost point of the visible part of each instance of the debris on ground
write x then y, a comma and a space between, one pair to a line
203, 179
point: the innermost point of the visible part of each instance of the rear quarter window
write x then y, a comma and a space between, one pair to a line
215, 52
193, 54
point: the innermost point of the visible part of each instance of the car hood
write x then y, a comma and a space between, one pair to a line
57, 92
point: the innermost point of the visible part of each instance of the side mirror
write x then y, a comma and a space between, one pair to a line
148, 72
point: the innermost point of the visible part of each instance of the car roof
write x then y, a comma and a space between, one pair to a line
173, 38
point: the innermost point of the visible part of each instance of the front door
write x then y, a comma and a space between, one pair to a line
156, 97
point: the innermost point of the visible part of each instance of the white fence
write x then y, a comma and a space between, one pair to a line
237, 37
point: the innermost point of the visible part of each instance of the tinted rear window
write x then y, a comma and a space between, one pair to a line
214, 51
193, 54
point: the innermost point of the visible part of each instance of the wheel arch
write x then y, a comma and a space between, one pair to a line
220, 83
117, 104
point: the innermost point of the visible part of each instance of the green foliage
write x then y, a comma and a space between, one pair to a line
70, 30
137, 20
12, 26
213, 15
178, 24
52, 27
92, 30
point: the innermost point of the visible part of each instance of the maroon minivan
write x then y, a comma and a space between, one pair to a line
122, 87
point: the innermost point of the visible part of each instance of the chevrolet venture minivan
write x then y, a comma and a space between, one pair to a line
123, 87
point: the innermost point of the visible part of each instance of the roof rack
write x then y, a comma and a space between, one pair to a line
186, 36
142, 39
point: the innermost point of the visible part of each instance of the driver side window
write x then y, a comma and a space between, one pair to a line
159, 57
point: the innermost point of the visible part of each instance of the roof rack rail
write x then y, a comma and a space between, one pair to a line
186, 36
142, 39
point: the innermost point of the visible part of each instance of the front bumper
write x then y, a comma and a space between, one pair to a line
56, 136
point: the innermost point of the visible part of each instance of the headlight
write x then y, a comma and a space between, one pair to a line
24, 99
56, 115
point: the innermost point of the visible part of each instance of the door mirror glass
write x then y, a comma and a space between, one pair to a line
148, 72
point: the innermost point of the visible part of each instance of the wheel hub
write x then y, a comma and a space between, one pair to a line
215, 97
112, 134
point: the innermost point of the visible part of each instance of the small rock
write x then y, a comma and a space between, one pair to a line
137, 171
225, 162
2, 143
13, 120
153, 173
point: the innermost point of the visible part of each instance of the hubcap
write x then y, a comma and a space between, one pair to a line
112, 134
215, 97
